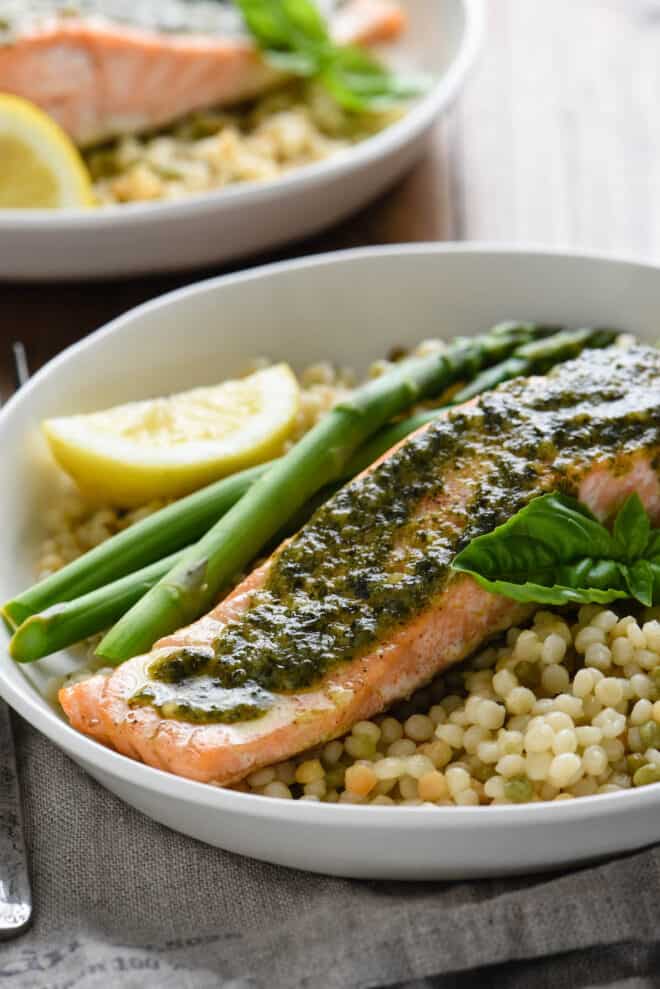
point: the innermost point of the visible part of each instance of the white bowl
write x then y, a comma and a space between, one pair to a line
349, 307
442, 39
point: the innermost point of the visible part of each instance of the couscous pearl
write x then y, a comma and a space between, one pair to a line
558, 720
437, 714
605, 620
646, 659
408, 788
451, 734
520, 700
367, 729
316, 789
432, 786
642, 685
277, 789
651, 632
510, 742
641, 712
656, 711
555, 679
389, 768
467, 798
569, 705
438, 752
594, 760
457, 779
391, 730
609, 691
589, 636
614, 748
491, 715
472, 738
622, 651
584, 787
504, 682
309, 771
511, 765
538, 737
286, 773
635, 743
564, 741
537, 765
588, 735
598, 655
583, 683
564, 769
527, 646
332, 753
419, 727
553, 649
262, 777
488, 752
360, 746
610, 722
418, 765
494, 788
360, 779
636, 636
403, 747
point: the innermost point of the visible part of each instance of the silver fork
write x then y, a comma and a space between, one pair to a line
15, 893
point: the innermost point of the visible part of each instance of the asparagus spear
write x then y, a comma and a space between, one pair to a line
173, 527
64, 624
186, 520
535, 357
320, 457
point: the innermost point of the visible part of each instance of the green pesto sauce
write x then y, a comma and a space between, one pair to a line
380, 550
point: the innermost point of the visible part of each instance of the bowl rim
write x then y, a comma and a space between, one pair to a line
307, 177
25, 700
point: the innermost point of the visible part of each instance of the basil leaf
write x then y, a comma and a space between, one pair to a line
639, 578
554, 551
531, 593
295, 39
551, 530
632, 528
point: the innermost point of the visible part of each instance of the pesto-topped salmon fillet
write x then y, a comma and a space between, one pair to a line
104, 68
361, 607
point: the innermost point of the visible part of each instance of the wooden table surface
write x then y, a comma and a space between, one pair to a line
555, 140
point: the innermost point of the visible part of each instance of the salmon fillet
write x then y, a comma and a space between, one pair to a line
591, 428
100, 79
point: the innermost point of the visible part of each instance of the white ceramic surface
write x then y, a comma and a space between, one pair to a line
442, 39
351, 308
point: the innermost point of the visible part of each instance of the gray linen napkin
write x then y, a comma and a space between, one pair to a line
120, 900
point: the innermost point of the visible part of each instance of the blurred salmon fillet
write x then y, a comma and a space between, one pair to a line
100, 79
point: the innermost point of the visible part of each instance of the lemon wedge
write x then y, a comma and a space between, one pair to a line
166, 447
40, 166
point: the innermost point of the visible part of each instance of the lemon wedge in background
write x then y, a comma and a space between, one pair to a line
167, 447
40, 167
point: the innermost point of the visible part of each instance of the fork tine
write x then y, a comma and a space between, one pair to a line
20, 364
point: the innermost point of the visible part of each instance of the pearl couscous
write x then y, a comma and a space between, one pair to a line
566, 708
296, 125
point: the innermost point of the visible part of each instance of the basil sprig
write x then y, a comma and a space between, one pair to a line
294, 37
554, 551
